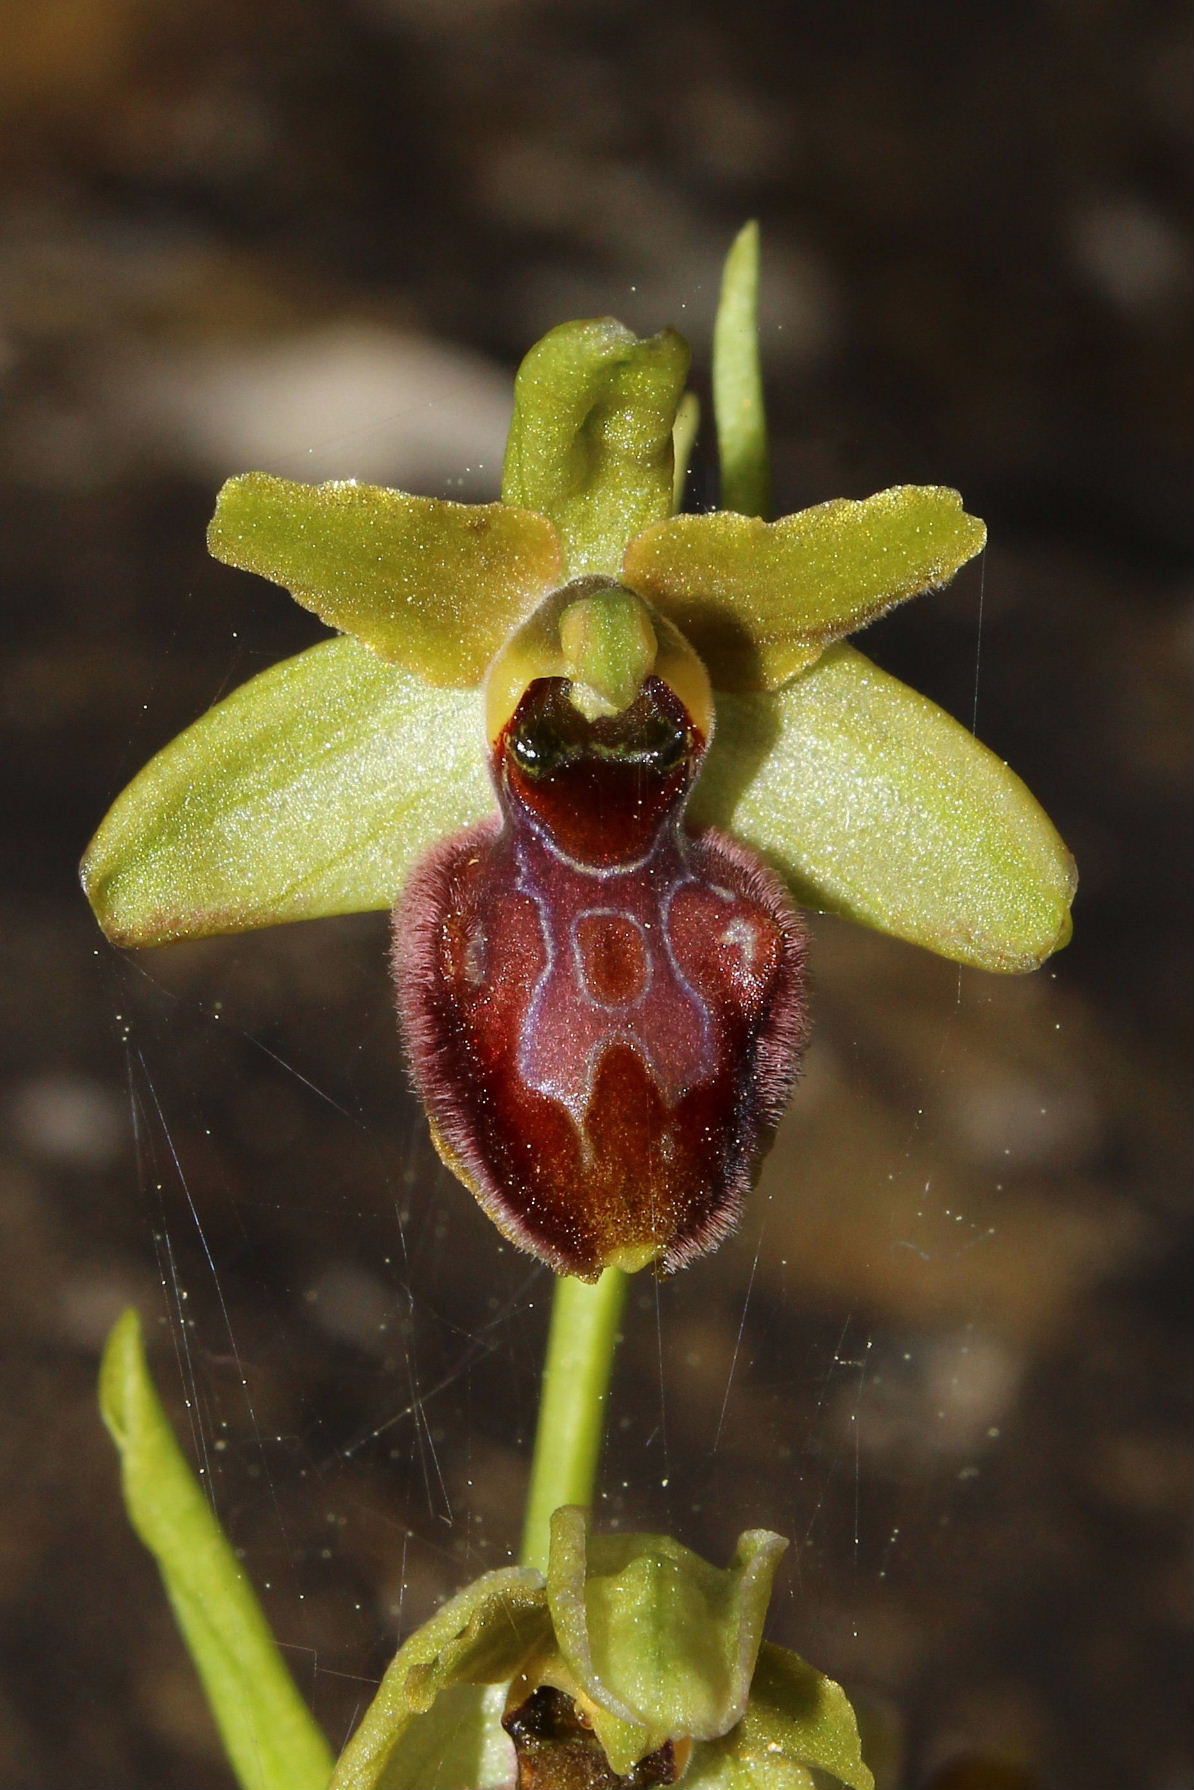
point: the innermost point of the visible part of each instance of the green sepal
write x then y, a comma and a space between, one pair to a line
761, 601
268, 1733
590, 442
313, 789
799, 1725
876, 804
658, 1643
485, 1635
431, 586
738, 382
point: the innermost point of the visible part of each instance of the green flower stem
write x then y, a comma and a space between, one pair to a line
576, 1376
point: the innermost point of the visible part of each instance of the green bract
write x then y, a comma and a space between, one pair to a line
316, 788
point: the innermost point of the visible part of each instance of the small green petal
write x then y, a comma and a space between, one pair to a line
659, 1643
876, 804
591, 440
798, 1723
431, 586
311, 790
762, 600
485, 1635
738, 382
267, 1730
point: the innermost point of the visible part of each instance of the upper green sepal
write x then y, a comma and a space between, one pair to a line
431, 586
873, 803
762, 600
270, 1737
591, 440
657, 1644
313, 789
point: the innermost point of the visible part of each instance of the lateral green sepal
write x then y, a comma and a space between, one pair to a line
313, 789
876, 804
798, 1726
484, 1636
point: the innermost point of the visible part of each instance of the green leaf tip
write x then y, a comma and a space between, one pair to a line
591, 441
761, 601
306, 792
267, 1730
738, 382
431, 586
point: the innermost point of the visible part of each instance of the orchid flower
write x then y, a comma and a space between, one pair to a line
595, 754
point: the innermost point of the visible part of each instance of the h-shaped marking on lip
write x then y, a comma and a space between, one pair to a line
567, 1029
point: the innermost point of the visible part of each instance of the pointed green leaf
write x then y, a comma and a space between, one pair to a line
659, 1643
311, 790
798, 1723
877, 805
762, 600
484, 1635
591, 440
267, 1730
738, 382
431, 586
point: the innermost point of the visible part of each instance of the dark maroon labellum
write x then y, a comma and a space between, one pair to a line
604, 1012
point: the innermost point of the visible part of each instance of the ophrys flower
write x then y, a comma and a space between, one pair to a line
601, 983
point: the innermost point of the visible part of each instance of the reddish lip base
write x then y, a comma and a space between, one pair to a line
604, 1013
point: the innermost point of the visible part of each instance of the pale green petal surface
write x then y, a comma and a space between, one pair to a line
876, 804
798, 1722
432, 586
660, 1642
268, 1732
738, 382
591, 443
311, 790
484, 1635
762, 600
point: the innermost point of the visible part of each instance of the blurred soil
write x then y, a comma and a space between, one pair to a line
949, 1353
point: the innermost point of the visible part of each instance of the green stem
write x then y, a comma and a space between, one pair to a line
576, 1375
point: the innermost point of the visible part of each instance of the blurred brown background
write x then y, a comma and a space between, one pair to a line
948, 1355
